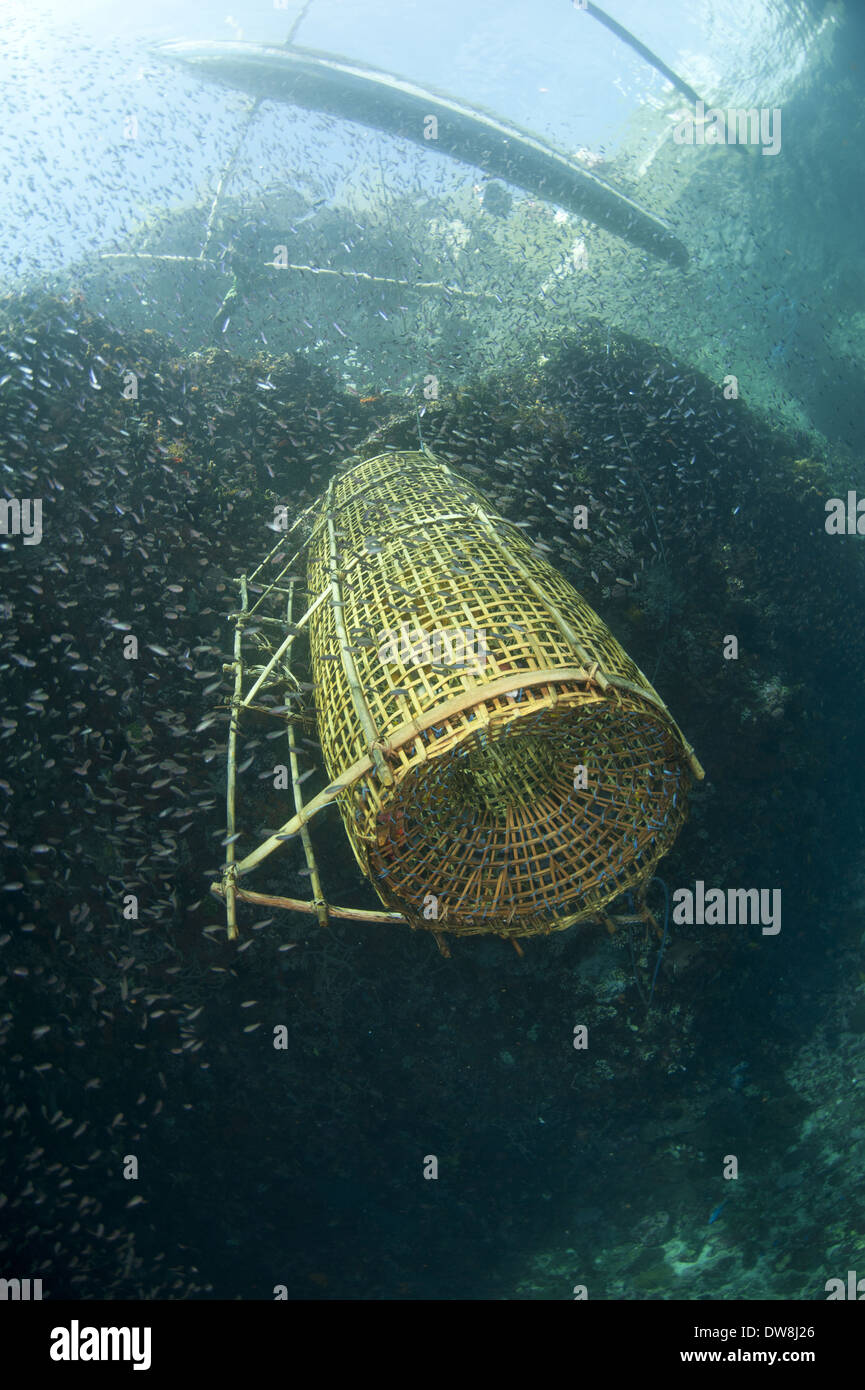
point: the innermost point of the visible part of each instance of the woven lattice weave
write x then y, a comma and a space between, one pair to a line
525, 772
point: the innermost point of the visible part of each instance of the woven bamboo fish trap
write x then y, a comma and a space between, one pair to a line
499, 762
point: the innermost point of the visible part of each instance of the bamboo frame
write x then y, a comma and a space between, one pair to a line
511, 877
227, 888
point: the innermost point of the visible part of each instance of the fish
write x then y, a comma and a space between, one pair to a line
381, 101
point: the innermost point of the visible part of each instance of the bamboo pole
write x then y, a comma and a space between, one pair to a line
154, 256
422, 285
360, 914
229, 873
283, 648
352, 914
306, 839
275, 547
387, 280
227, 171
